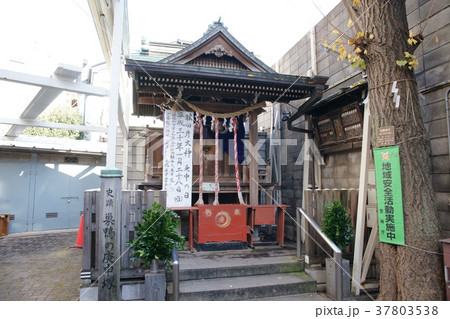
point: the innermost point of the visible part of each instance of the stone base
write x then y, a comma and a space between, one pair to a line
330, 266
155, 286
130, 290
222, 246
89, 293
319, 275
134, 291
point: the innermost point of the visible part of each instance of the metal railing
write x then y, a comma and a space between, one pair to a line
176, 275
337, 253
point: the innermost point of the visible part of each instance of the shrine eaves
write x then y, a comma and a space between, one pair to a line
216, 73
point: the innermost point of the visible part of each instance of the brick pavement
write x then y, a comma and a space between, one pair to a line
40, 266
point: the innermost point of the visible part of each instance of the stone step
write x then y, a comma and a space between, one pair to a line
264, 272
245, 288
310, 296
220, 264
240, 268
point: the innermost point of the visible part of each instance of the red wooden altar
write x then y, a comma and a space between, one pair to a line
220, 223
231, 222
226, 86
266, 215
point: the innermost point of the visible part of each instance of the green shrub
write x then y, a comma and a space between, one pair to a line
156, 236
60, 114
337, 224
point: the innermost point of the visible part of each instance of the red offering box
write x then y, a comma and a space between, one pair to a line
221, 223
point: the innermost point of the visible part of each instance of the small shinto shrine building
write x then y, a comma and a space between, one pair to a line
217, 88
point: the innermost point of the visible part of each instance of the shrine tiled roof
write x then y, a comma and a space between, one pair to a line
213, 31
156, 76
216, 71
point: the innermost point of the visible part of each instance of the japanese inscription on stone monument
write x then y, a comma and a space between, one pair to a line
109, 233
177, 169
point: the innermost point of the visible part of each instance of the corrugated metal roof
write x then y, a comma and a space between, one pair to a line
152, 57
157, 51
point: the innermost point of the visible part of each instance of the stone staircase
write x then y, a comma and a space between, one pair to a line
266, 273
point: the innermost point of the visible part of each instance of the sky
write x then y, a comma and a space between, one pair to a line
41, 34
266, 28
36, 36
63, 31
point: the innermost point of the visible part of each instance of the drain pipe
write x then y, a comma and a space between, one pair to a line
448, 121
315, 96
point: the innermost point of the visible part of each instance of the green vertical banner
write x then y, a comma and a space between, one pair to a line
389, 195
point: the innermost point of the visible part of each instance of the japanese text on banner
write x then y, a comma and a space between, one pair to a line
389, 195
177, 169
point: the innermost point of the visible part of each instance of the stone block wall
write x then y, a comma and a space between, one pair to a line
433, 79
298, 61
342, 169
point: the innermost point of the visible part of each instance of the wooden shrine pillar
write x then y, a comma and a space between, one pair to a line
253, 167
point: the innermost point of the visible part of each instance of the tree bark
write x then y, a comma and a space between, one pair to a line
413, 271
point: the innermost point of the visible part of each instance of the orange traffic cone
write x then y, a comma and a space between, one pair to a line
79, 243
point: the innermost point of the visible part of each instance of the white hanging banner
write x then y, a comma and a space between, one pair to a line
177, 169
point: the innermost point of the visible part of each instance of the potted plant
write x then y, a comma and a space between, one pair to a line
156, 237
337, 225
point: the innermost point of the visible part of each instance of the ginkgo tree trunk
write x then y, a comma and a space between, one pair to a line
413, 271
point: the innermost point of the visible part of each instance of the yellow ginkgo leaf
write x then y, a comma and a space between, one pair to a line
342, 53
412, 41
336, 31
355, 2
411, 34
349, 23
339, 41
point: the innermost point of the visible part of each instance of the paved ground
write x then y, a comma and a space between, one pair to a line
40, 266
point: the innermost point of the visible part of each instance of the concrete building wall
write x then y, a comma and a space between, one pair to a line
342, 169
